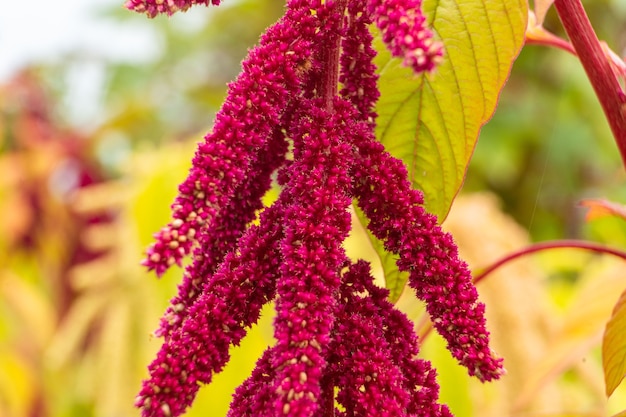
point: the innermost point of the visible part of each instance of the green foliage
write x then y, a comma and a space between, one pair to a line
453, 379
395, 280
432, 121
548, 145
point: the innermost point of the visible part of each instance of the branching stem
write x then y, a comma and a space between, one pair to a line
597, 66
539, 36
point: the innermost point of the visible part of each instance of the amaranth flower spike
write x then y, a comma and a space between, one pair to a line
169, 7
339, 342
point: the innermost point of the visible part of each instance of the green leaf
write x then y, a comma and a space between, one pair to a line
614, 347
453, 379
395, 280
432, 121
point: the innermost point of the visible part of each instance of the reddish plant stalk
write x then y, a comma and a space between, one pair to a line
329, 84
556, 244
598, 69
424, 327
540, 36
330, 62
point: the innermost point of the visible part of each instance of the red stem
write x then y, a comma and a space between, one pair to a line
555, 244
540, 36
330, 61
598, 69
331, 74
327, 90
424, 327
556, 42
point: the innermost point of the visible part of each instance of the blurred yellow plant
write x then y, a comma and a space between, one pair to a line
76, 309
551, 353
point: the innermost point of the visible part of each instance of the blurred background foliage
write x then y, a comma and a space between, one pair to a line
80, 198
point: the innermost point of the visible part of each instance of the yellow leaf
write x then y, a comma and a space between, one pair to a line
432, 122
614, 347
37, 315
18, 384
71, 335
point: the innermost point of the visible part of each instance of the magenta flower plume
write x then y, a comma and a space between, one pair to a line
374, 357
397, 216
371, 360
248, 118
226, 230
230, 302
358, 72
419, 377
437, 274
405, 33
318, 223
169, 7
255, 397
338, 340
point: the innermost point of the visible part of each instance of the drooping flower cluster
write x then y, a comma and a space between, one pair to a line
338, 341
169, 7
397, 20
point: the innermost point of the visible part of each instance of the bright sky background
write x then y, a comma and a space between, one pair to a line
36, 30
39, 31
42, 31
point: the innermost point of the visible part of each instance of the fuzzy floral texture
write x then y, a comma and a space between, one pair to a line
341, 348
404, 31
169, 7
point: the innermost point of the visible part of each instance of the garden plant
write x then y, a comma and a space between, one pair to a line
327, 238
371, 106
